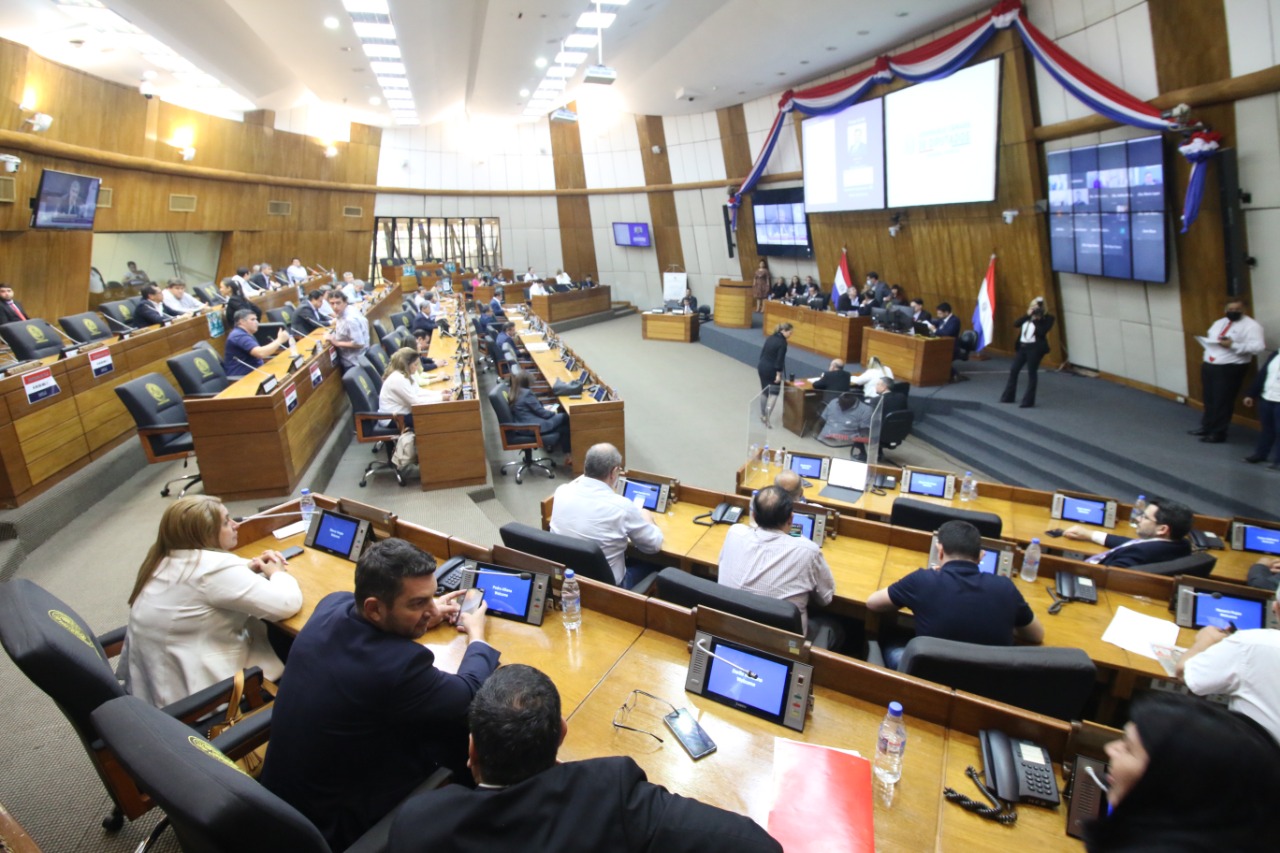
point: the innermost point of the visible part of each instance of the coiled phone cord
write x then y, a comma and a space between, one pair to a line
998, 811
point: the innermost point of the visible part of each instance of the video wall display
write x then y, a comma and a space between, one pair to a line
1107, 210
782, 229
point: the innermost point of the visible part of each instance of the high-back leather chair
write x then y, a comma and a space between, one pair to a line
363, 394
161, 418
31, 339
1198, 564
1056, 682
584, 556
379, 360
401, 337
199, 374
525, 437
86, 327
920, 515
120, 313
282, 315
689, 590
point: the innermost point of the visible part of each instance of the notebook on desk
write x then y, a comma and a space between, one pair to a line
846, 480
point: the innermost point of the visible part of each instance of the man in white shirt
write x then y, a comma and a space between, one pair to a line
177, 300
353, 288
1241, 665
530, 275
562, 277
537, 289
247, 287
1233, 342
765, 558
296, 272
351, 334
589, 508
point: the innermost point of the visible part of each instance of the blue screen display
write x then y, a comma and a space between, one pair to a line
1245, 613
807, 466
990, 560
1262, 539
645, 494
336, 534
1086, 512
802, 525
504, 593
765, 693
931, 485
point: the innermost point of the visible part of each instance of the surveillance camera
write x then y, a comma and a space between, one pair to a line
11, 163
1009, 216
147, 89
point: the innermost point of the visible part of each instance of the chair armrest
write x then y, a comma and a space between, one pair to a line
646, 584
377, 837
245, 736
874, 654
507, 429
113, 641
362, 417
205, 702
167, 429
824, 637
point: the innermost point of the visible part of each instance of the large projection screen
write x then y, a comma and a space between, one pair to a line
844, 159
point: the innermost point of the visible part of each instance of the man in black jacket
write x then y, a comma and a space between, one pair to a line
1162, 536
308, 317
526, 801
836, 379
152, 311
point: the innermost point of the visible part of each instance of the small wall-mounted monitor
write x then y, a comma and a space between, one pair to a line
65, 201
635, 234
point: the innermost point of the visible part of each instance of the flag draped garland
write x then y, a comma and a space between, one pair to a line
1198, 150
943, 57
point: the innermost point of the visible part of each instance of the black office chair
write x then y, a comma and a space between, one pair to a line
208, 294
378, 357
31, 339
400, 319
85, 328
1199, 564
57, 650
894, 429
281, 315
363, 395
1056, 682
521, 436
199, 373
919, 515
211, 805
161, 418
966, 344
584, 556
380, 329
120, 314
689, 590
398, 339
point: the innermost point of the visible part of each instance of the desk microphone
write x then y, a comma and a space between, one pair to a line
243, 518
748, 673
256, 369
524, 576
128, 330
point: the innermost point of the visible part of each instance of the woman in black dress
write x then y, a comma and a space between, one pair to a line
772, 367
232, 292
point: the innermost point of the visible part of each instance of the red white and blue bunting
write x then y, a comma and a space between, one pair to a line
948, 54
1198, 150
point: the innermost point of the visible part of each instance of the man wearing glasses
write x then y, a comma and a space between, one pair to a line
528, 801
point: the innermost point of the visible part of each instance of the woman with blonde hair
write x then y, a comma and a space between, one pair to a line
196, 611
400, 391
868, 378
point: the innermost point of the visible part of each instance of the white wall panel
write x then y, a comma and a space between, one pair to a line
1139, 361
1078, 331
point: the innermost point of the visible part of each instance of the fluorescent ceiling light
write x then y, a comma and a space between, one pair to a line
524, 93
552, 85
331, 23
382, 51
373, 7
374, 31
581, 40
387, 67
561, 71
393, 82
540, 62
375, 100
570, 57
595, 20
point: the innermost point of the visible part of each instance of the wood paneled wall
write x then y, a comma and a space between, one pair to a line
577, 240
735, 145
662, 205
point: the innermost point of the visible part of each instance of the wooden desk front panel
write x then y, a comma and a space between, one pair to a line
681, 328
823, 332
555, 307
733, 306
450, 444
921, 361
483, 293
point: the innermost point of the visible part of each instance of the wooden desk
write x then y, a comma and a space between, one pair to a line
483, 294
555, 307
682, 328
734, 304
919, 360
449, 434
823, 332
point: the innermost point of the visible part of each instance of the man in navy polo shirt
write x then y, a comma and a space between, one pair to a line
957, 601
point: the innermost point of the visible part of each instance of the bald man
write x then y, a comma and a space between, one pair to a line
791, 483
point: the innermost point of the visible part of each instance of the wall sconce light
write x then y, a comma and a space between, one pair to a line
188, 154
657, 149
39, 122
1009, 216
331, 151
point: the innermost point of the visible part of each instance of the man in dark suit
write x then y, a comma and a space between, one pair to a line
836, 378
364, 716
308, 317
1162, 536
948, 325
152, 311
11, 311
894, 401
527, 801
495, 304
918, 312
815, 298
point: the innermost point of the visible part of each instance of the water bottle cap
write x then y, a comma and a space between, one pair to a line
895, 709
569, 575
1035, 541
1142, 497
305, 492
968, 473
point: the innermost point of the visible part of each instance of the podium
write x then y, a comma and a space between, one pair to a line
734, 304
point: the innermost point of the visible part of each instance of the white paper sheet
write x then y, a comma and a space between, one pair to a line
1136, 632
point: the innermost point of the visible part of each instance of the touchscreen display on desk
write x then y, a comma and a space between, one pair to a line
504, 592
807, 466
930, 485
642, 493
1262, 540
600, 393
763, 694
1244, 613
336, 534
802, 525
1085, 512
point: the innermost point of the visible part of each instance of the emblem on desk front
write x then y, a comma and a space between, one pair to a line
157, 393
63, 620
37, 334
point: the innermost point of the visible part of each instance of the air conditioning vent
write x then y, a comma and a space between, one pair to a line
182, 203
106, 196
279, 208
348, 211
8, 190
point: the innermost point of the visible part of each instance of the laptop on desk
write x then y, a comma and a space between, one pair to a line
846, 480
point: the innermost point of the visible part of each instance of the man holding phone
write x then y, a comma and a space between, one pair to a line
364, 716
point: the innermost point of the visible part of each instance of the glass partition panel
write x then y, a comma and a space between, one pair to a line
189, 255
801, 420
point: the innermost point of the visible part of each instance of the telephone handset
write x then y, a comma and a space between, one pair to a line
1018, 770
725, 513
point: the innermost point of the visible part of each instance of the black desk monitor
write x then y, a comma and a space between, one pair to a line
651, 496
929, 483
1204, 601
513, 594
997, 556
810, 525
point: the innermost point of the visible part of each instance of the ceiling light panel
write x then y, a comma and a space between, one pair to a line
381, 51
596, 20
383, 68
570, 57
561, 71
557, 84
393, 82
581, 40
374, 31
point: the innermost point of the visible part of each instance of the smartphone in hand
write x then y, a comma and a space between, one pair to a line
471, 600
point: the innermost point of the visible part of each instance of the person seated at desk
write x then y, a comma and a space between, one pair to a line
897, 296
1241, 665
135, 277
891, 401
815, 298
196, 610
530, 276
263, 277
835, 379
956, 601
791, 483
400, 389
247, 286
563, 277
690, 302
588, 282
845, 419
236, 302
495, 304
365, 716
11, 311
310, 314
296, 272
1189, 775
177, 301
867, 380
527, 800
778, 291
919, 314
152, 311
590, 509
766, 559
847, 302
526, 408
1265, 574
350, 333
867, 300
1161, 536
485, 319
424, 318
537, 288
243, 352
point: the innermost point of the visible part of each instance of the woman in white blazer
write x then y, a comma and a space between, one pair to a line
196, 610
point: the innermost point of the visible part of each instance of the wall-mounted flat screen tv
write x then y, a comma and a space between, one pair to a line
65, 202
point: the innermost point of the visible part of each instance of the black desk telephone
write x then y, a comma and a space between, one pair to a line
1018, 770
725, 513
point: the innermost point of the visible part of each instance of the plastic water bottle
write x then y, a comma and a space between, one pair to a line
1139, 507
307, 505
1031, 562
753, 458
968, 487
571, 601
780, 456
890, 745
766, 458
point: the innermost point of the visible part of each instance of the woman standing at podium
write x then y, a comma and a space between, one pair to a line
772, 368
